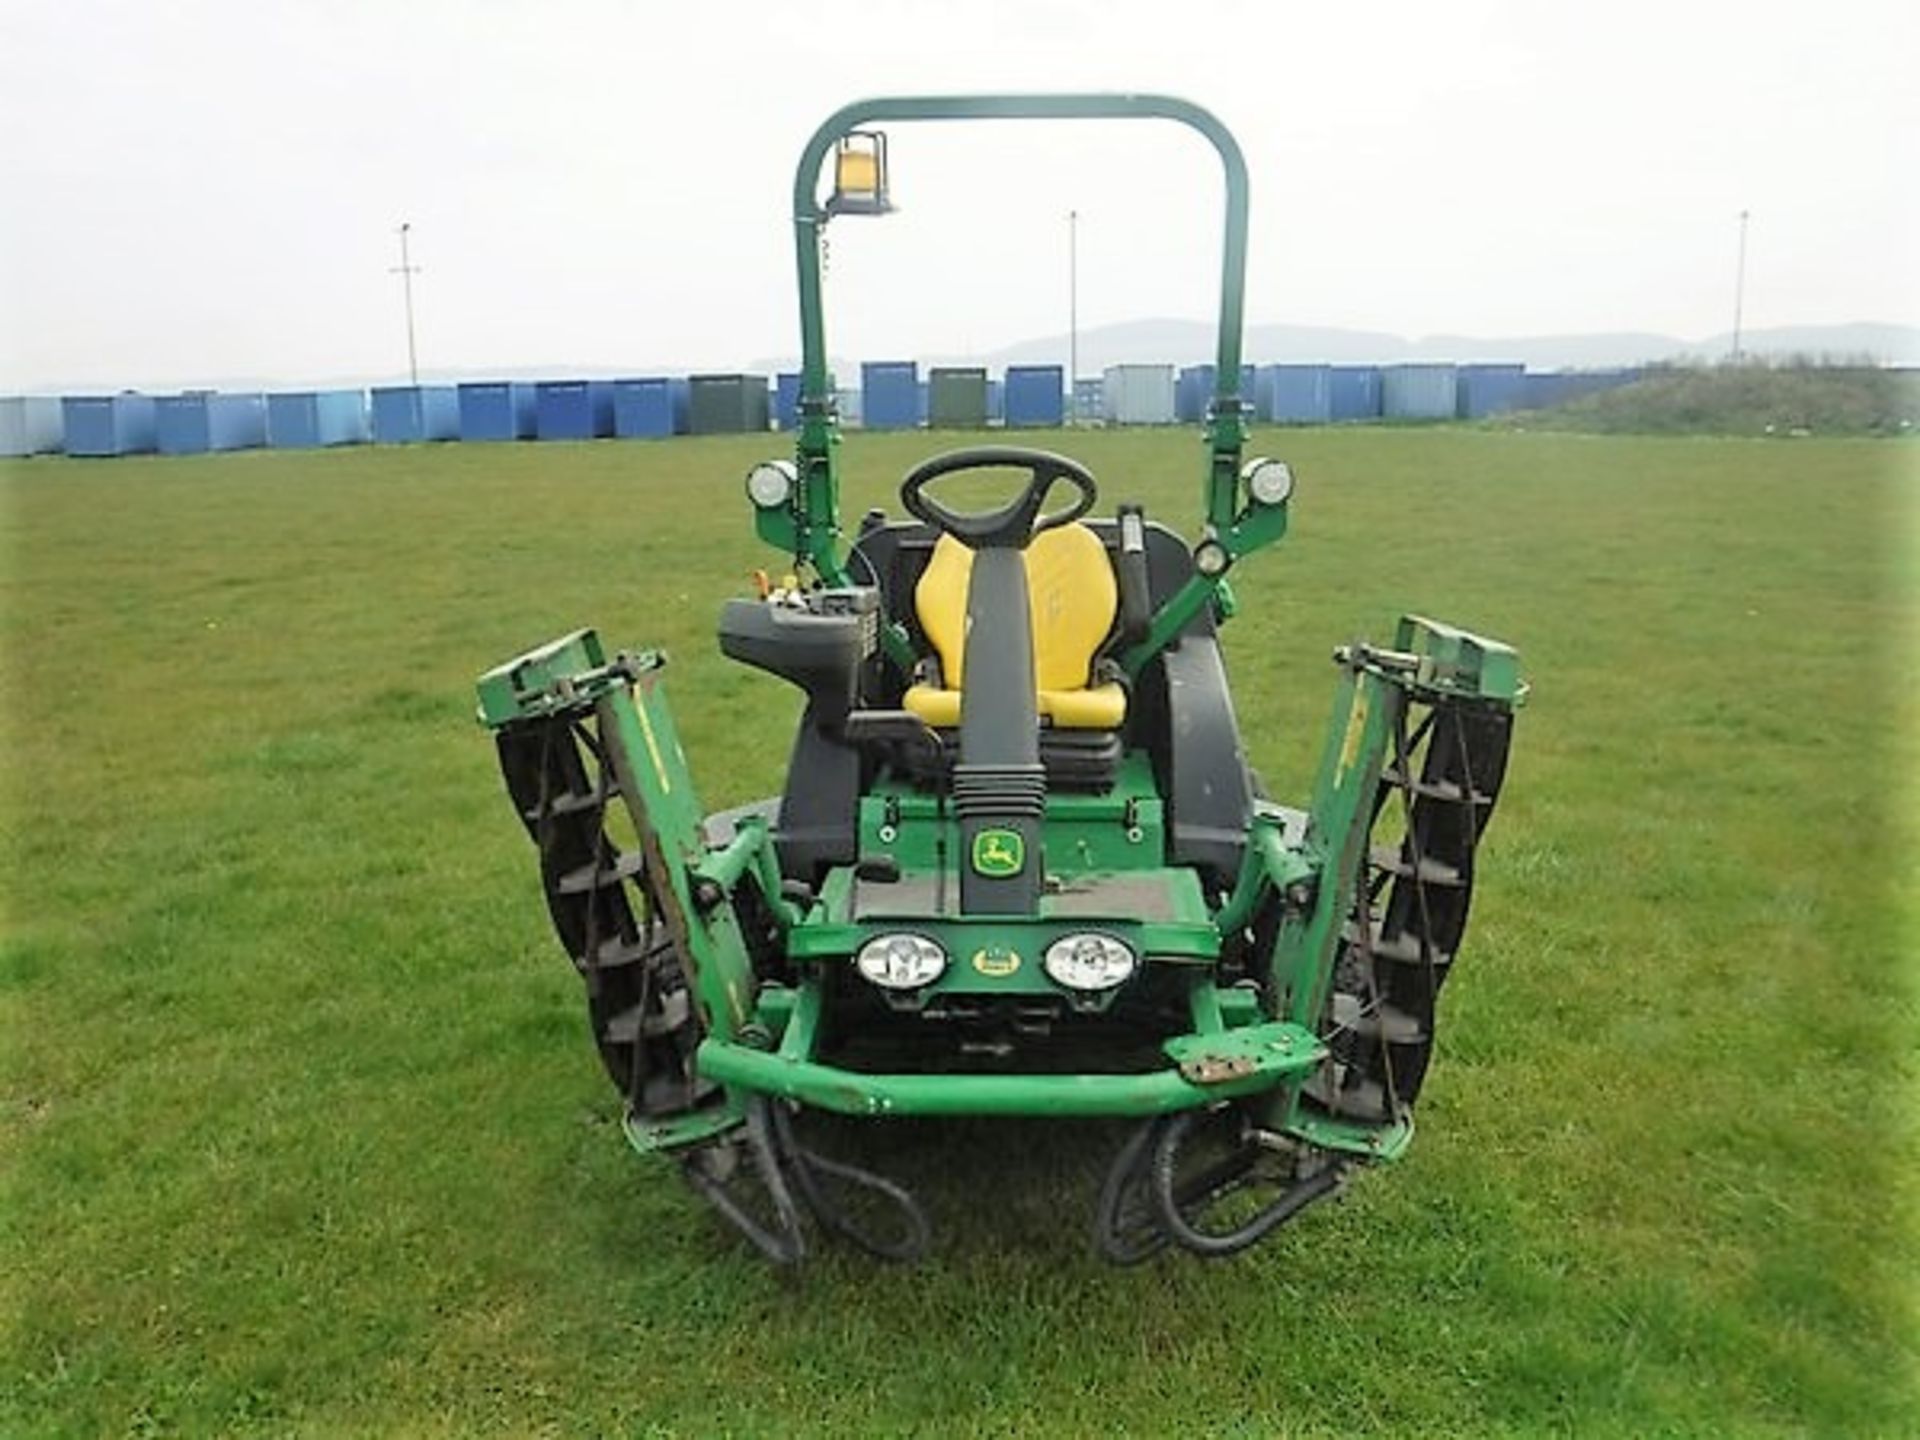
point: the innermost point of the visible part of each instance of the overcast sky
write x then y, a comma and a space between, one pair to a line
207, 189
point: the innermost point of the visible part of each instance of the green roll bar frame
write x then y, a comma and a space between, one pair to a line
808, 526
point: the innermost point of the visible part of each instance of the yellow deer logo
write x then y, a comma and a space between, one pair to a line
999, 853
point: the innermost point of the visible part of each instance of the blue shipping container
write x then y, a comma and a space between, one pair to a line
29, 425
890, 395
786, 400
1538, 390
304, 419
1419, 391
574, 409
996, 402
202, 420
108, 424
1490, 388
1193, 392
496, 410
1035, 395
647, 409
1295, 394
1089, 397
1353, 392
404, 414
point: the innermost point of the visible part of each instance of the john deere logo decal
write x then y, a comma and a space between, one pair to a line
998, 852
996, 961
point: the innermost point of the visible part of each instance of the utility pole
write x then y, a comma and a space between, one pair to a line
406, 270
1073, 316
1739, 286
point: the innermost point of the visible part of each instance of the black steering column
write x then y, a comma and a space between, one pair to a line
999, 784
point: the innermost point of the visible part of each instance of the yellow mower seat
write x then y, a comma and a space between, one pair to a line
1071, 598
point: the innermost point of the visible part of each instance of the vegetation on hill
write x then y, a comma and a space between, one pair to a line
1792, 398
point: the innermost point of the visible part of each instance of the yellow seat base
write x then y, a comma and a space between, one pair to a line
1103, 707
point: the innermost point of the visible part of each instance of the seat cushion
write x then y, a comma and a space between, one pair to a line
1102, 707
1071, 599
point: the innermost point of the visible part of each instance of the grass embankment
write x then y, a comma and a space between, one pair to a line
1791, 400
302, 1130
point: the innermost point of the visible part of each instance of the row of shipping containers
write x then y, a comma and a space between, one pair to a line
1297, 394
198, 422
891, 395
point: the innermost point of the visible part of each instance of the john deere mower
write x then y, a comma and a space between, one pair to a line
1019, 866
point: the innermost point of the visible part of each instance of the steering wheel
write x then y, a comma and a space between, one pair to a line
1013, 525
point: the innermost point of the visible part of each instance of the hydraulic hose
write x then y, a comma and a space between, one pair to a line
806, 1166
1124, 1179
786, 1245
1163, 1167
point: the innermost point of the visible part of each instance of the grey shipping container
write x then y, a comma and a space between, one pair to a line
1137, 395
957, 399
727, 404
29, 425
1419, 391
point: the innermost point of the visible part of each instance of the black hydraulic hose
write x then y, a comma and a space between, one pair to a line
1125, 1177
806, 1167
789, 1245
1166, 1154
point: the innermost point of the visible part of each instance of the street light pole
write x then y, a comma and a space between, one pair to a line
406, 270
1073, 314
1739, 286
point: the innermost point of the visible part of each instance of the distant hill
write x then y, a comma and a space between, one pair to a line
1190, 342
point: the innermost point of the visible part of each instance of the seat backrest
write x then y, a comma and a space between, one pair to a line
1071, 598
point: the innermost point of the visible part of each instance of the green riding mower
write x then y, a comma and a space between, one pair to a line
1020, 866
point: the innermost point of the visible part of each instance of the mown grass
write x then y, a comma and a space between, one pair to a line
302, 1131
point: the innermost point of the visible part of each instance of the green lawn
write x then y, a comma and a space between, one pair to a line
301, 1128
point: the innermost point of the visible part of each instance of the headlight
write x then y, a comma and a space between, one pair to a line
770, 482
1268, 482
1210, 558
1088, 962
901, 962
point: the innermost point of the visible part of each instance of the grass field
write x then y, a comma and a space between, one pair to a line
302, 1130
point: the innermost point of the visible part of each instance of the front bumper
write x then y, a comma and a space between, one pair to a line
1202, 1069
